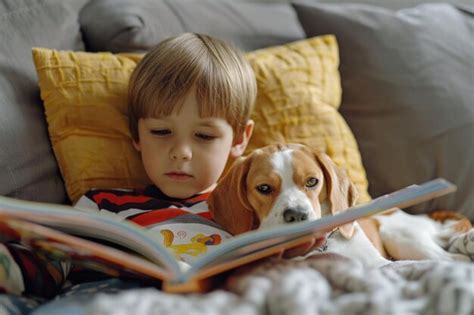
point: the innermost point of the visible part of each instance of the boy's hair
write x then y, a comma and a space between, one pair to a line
221, 77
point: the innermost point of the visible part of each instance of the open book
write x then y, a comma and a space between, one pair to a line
124, 248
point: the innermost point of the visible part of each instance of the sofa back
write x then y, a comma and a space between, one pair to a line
28, 168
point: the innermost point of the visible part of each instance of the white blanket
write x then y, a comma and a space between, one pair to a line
320, 284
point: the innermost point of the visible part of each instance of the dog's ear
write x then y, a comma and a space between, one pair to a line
340, 191
228, 202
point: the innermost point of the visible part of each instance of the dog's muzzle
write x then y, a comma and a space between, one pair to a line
296, 214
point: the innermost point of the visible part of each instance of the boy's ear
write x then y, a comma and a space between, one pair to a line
241, 142
136, 145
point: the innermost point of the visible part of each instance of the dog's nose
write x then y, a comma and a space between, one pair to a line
295, 215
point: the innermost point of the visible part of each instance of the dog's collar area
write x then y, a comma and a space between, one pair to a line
324, 247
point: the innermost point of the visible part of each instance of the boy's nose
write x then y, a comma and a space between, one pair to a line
181, 152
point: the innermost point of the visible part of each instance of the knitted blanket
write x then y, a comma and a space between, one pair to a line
322, 283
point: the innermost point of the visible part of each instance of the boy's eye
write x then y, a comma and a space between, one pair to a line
204, 136
160, 132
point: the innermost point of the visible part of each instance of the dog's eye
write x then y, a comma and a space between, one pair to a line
264, 189
311, 182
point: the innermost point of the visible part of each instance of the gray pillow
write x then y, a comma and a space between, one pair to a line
399, 4
130, 25
408, 93
28, 169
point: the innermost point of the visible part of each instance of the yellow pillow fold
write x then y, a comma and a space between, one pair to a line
299, 93
85, 101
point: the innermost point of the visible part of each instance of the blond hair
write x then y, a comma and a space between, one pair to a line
222, 79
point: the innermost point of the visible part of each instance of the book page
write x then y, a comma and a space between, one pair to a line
64, 247
91, 225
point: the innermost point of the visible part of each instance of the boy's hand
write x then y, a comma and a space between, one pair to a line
305, 248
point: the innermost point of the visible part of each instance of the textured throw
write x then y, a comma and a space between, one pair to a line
320, 284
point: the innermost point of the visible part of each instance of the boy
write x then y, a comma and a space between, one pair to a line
190, 100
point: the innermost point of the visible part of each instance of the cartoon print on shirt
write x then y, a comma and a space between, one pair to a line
198, 245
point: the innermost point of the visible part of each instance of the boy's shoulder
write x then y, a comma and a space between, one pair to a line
149, 197
109, 197
119, 191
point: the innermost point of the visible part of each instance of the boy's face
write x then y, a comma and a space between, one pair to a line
184, 154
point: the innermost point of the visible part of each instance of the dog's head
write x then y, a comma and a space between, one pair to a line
281, 184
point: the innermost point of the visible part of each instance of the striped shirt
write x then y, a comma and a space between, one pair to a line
184, 226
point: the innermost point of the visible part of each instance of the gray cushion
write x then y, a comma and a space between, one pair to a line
408, 93
27, 163
130, 25
398, 4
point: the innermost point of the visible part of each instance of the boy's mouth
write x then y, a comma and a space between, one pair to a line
176, 175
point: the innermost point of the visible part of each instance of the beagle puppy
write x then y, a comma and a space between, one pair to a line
287, 183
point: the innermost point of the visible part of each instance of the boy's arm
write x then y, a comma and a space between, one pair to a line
23, 271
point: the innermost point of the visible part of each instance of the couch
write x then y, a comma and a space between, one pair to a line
407, 81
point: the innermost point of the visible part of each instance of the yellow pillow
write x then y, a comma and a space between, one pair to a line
85, 100
299, 94
84, 97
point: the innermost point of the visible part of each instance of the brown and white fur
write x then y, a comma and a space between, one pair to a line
274, 185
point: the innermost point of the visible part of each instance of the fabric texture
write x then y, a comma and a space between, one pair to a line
131, 25
322, 284
408, 82
27, 164
299, 94
85, 99
399, 4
